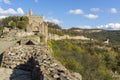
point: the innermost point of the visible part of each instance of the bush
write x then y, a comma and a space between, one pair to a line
76, 56
22, 25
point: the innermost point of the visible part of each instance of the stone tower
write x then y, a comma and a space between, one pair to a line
37, 24
30, 12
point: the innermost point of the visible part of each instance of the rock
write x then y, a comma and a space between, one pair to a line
61, 70
56, 76
53, 65
49, 67
44, 56
77, 75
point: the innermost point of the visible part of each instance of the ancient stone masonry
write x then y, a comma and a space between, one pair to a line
37, 24
27, 55
18, 57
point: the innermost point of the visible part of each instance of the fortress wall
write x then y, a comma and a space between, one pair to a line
33, 19
57, 37
24, 34
37, 24
31, 58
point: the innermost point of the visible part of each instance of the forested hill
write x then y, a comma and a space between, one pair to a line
113, 36
97, 34
93, 60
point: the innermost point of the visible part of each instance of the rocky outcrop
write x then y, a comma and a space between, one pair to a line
37, 60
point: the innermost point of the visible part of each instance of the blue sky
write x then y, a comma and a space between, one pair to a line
103, 14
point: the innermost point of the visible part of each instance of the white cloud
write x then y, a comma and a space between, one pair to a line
95, 9
85, 27
51, 19
110, 26
20, 11
113, 10
1, 17
91, 16
7, 1
11, 11
76, 11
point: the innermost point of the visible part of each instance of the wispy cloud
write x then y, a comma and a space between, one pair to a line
85, 27
7, 1
91, 16
113, 10
11, 11
76, 11
54, 20
95, 9
20, 11
110, 26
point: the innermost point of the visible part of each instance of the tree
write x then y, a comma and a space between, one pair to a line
12, 24
22, 25
25, 18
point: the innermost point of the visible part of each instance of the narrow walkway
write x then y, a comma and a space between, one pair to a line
5, 45
5, 74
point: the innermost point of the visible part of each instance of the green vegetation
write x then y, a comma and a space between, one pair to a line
101, 36
22, 25
15, 22
95, 61
54, 28
104, 35
1, 31
12, 24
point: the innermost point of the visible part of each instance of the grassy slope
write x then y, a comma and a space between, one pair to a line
102, 36
86, 58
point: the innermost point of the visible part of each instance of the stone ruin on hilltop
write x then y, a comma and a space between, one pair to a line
37, 24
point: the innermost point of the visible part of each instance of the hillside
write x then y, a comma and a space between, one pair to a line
28, 57
99, 35
95, 61
96, 34
61, 54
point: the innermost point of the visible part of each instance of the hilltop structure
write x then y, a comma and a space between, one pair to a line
37, 24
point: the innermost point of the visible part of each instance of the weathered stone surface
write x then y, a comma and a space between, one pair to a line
37, 60
7, 74
77, 75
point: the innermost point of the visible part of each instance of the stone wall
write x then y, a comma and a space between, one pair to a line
24, 34
57, 37
36, 58
37, 24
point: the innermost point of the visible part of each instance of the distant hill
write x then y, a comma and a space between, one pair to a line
97, 34
113, 36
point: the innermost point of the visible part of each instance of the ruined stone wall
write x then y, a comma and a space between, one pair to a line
23, 34
25, 57
57, 37
37, 24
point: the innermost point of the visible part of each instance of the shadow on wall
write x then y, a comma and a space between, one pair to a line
28, 71
1, 56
